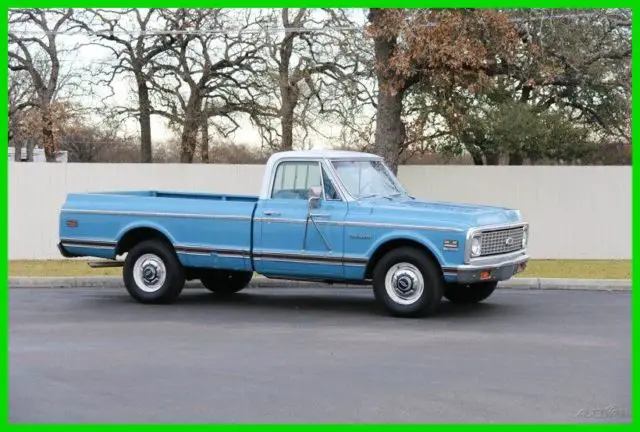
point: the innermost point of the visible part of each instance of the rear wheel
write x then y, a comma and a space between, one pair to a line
408, 283
152, 272
226, 282
469, 293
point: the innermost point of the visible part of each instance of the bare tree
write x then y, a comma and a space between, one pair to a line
309, 56
34, 49
127, 35
21, 98
205, 74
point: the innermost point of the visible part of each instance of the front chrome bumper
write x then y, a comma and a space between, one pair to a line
490, 269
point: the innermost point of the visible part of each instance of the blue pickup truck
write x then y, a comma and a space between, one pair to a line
328, 216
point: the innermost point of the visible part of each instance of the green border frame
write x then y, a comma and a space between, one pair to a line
4, 298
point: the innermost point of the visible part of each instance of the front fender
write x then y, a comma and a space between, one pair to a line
406, 235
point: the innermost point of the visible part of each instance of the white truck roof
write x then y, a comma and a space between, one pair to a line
308, 154
322, 154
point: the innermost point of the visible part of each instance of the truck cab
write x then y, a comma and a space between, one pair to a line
328, 216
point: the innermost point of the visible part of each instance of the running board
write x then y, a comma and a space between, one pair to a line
102, 264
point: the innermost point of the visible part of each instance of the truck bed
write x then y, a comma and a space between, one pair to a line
203, 227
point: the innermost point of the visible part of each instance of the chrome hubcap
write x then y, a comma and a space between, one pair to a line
149, 273
404, 283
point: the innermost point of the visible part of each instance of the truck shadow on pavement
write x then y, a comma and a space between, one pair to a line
314, 302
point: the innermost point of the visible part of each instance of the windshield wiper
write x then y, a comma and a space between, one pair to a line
370, 196
380, 196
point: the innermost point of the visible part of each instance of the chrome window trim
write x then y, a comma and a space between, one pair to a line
473, 231
284, 161
319, 161
323, 169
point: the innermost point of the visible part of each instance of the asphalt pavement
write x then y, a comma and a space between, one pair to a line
317, 355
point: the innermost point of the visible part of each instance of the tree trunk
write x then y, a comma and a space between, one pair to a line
188, 141
144, 104
515, 158
493, 158
29, 150
389, 135
286, 124
18, 150
192, 121
476, 156
205, 142
48, 140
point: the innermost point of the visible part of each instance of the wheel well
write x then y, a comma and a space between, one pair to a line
137, 235
394, 244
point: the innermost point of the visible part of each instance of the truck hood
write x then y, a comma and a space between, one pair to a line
438, 213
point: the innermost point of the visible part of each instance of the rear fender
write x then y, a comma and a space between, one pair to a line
144, 224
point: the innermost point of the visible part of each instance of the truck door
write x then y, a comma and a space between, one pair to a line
294, 240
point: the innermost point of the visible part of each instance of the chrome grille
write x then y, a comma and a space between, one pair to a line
496, 242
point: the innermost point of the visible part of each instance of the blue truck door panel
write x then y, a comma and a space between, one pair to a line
289, 242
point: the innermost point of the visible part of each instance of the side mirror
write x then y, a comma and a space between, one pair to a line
315, 194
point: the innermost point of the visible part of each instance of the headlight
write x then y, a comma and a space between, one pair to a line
525, 238
476, 246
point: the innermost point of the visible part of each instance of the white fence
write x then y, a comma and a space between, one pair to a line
574, 212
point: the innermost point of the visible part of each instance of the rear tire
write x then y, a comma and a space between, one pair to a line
223, 282
469, 293
408, 283
152, 272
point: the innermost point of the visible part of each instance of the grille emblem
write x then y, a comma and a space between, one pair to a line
508, 241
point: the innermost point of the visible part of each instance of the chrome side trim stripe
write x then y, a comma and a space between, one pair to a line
270, 256
89, 246
158, 214
390, 225
104, 244
362, 224
234, 253
263, 219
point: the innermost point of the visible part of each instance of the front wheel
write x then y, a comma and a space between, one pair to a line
226, 282
152, 273
469, 293
407, 283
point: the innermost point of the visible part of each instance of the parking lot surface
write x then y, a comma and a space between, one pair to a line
317, 355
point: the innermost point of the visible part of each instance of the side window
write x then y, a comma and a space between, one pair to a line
293, 180
330, 191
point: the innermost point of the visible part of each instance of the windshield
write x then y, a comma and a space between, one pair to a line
367, 179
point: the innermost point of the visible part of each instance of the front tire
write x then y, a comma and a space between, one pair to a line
152, 272
226, 282
469, 293
408, 283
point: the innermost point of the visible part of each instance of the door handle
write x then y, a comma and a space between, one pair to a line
271, 213
320, 215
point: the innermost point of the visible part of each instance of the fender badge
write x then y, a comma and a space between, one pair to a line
450, 245
72, 223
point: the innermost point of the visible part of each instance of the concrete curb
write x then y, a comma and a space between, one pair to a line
262, 282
